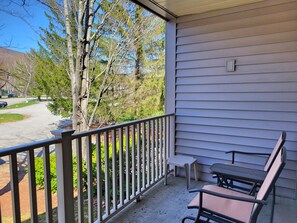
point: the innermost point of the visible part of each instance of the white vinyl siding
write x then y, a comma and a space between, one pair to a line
218, 111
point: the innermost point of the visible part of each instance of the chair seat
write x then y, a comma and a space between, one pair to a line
238, 172
232, 208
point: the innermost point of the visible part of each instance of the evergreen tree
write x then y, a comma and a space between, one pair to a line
84, 61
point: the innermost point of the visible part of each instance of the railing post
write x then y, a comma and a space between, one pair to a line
64, 176
171, 135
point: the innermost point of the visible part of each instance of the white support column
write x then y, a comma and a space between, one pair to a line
170, 78
64, 176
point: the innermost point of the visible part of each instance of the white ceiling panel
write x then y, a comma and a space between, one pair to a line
186, 7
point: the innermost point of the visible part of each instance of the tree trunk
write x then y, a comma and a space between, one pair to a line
138, 45
75, 81
138, 75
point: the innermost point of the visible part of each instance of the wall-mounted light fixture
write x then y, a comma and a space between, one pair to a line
231, 65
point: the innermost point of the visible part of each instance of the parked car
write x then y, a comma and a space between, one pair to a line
12, 95
3, 104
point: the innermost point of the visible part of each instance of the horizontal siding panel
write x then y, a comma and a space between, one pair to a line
284, 192
240, 51
239, 79
270, 125
289, 174
245, 97
235, 131
238, 15
247, 115
236, 88
240, 23
239, 33
239, 42
201, 63
255, 145
285, 183
240, 60
239, 106
241, 70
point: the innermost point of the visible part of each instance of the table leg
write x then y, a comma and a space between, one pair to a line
188, 170
175, 171
196, 170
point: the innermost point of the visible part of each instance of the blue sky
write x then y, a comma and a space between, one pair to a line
17, 34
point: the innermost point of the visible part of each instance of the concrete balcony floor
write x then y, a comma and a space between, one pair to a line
164, 204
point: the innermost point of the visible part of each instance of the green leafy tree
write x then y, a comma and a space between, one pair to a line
142, 91
86, 53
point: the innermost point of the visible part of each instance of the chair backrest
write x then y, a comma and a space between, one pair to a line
278, 146
270, 180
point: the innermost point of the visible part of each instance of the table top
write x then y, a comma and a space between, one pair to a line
181, 160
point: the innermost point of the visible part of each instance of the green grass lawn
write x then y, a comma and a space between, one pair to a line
21, 105
11, 117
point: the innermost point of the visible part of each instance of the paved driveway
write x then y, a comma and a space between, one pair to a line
36, 126
11, 101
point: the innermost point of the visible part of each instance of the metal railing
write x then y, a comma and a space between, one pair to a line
12, 156
113, 166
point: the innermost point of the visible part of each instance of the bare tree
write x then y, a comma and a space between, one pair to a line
88, 24
8, 62
4, 77
24, 73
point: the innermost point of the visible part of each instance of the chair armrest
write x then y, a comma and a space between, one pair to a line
244, 199
245, 153
248, 153
194, 190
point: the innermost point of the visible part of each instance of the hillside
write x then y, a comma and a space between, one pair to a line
8, 58
8, 62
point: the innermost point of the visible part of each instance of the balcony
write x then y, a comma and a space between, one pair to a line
132, 171
122, 161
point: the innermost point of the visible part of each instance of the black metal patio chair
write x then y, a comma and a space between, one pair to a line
232, 175
218, 204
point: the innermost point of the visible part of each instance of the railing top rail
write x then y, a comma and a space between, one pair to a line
108, 128
28, 146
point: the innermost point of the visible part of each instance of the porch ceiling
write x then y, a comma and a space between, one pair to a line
174, 8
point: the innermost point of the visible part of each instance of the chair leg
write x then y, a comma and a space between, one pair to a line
188, 217
272, 205
220, 181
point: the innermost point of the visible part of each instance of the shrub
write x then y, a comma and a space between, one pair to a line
40, 168
53, 174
